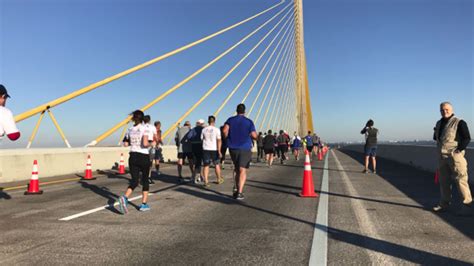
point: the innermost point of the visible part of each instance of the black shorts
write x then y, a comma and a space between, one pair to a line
158, 154
268, 151
241, 158
309, 148
283, 148
184, 155
210, 156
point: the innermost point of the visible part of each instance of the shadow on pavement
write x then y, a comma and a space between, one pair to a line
4, 195
104, 192
392, 249
419, 186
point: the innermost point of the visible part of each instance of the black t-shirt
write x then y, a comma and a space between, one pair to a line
268, 142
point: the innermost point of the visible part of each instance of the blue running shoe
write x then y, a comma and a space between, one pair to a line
144, 207
122, 207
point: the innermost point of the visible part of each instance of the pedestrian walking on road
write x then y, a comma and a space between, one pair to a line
7, 122
149, 127
308, 142
370, 148
240, 131
139, 138
158, 147
282, 141
184, 149
194, 136
452, 137
259, 147
223, 147
211, 145
296, 145
269, 148
275, 145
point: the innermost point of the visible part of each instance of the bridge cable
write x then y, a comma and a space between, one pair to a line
278, 101
181, 83
93, 86
284, 58
219, 109
278, 86
225, 76
270, 72
266, 64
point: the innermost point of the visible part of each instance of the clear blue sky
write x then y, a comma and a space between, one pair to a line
393, 61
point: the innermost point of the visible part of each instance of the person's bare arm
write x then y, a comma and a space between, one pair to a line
225, 130
253, 135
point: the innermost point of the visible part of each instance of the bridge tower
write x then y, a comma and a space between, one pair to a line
303, 105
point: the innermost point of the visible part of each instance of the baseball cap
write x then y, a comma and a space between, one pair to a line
201, 121
3, 91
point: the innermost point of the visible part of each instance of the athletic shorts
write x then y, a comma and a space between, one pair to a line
184, 155
283, 148
241, 158
210, 156
309, 148
158, 154
268, 151
295, 149
370, 151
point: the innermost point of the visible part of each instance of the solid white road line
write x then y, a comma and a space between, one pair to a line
363, 218
319, 248
97, 209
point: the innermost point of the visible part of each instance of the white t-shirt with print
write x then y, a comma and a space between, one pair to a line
209, 136
7, 122
135, 135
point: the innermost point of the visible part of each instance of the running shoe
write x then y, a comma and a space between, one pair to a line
150, 181
365, 171
206, 185
439, 208
122, 206
144, 207
158, 173
220, 181
240, 196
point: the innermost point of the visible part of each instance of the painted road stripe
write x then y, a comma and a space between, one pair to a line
97, 209
366, 225
45, 183
319, 249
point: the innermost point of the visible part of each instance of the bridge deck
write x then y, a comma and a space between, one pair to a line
372, 218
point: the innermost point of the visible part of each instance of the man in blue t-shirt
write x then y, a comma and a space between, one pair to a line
240, 131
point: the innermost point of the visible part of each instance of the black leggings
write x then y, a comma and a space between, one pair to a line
259, 152
139, 162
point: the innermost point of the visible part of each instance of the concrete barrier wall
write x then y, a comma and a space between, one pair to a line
422, 157
16, 164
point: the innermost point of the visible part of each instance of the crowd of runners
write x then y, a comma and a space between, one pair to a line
206, 145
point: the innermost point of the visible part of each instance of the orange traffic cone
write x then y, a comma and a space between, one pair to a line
33, 187
320, 155
121, 165
88, 173
436, 177
307, 190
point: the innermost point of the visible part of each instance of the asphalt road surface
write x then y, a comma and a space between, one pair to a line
372, 219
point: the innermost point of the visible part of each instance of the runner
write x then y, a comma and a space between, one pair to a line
184, 149
223, 147
259, 147
240, 131
211, 145
7, 122
268, 147
158, 148
282, 141
194, 136
316, 144
295, 145
308, 141
138, 137
149, 127
276, 150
